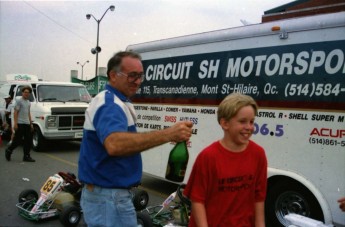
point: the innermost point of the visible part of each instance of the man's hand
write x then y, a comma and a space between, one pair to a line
342, 204
181, 131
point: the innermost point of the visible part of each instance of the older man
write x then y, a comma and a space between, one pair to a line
110, 161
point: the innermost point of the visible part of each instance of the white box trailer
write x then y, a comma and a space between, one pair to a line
294, 69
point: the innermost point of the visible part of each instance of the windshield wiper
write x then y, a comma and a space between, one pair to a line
48, 99
78, 100
52, 100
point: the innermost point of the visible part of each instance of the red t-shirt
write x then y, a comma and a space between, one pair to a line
228, 184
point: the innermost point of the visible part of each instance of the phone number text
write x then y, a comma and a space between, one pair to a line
327, 142
313, 89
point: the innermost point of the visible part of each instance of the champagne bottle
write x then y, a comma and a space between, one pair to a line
177, 163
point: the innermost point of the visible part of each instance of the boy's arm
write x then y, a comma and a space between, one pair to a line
199, 214
260, 214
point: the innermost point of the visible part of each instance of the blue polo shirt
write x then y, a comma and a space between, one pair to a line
110, 111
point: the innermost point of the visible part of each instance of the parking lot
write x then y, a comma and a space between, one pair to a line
16, 175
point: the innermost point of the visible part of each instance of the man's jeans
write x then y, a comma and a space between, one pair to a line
108, 207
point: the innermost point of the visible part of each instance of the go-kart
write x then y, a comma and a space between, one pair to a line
60, 197
172, 212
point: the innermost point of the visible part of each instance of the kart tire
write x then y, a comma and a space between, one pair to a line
27, 195
144, 220
140, 199
290, 196
70, 216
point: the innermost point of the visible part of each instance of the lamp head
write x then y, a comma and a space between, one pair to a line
112, 8
88, 16
78, 63
96, 50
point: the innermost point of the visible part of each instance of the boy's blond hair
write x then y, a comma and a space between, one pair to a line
232, 103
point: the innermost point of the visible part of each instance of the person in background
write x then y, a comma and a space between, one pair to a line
22, 125
10, 113
4, 114
227, 185
110, 161
341, 202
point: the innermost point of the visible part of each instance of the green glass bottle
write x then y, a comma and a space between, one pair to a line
177, 163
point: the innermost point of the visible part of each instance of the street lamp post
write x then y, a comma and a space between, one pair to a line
97, 49
82, 68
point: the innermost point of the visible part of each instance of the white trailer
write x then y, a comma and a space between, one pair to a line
294, 68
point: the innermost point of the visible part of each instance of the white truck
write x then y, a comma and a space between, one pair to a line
294, 69
57, 108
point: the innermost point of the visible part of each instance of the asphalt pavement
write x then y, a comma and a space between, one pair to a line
16, 176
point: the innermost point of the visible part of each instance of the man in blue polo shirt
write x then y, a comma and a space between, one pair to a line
110, 161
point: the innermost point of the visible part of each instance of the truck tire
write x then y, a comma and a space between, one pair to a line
70, 216
140, 199
37, 139
287, 197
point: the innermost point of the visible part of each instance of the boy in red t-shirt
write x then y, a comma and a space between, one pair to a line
227, 185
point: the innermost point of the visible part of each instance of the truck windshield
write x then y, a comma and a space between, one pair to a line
61, 93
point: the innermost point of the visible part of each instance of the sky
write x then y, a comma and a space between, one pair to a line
48, 38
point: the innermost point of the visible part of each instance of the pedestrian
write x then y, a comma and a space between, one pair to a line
8, 101
227, 185
110, 161
4, 114
22, 126
10, 112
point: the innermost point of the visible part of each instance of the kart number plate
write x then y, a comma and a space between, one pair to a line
49, 185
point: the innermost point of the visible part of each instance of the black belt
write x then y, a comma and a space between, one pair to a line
90, 187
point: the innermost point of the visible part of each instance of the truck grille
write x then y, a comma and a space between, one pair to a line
71, 118
70, 122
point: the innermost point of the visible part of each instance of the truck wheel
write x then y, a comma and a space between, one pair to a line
144, 220
37, 139
287, 197
140, 199
70, 216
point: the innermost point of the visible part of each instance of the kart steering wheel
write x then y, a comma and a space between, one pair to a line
70, 178
183, 198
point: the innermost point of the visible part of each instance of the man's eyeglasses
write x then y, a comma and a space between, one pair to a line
132, 77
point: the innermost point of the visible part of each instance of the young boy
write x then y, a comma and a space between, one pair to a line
227, 185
